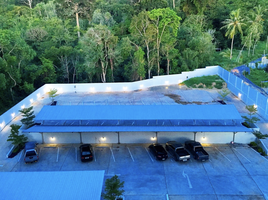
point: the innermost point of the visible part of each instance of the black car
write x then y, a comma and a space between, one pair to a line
158, 151
86, 152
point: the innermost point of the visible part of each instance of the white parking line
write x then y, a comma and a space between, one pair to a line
57, 160
112, 154
186, 176
241, 154
130, 154
149, 154
223, 154
95, 159
75, 149
167, 197
20, 156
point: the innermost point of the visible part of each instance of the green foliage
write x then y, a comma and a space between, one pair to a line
251, 119
15, 138
208, 81
224, 93
257, 76
113, 188
28, 116
52, 94
259, 135
57, 41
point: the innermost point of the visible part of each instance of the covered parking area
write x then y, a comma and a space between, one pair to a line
139, 124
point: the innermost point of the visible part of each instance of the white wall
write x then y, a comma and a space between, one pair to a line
97, 138
244, 137
181, 137
142, 137
137, 137
61, 138
34, 137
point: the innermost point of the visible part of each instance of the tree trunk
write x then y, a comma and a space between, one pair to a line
231, 54
103, 74
168, 66
112, 68
148, 60
174, 4
77, 19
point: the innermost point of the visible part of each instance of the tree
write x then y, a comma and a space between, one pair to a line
16, 139
76, 7
169, 51
223, 94
233, 25
28, 116
113, 188
252, 111
52, 94
143, 31
99, 45
255, 28
165, 21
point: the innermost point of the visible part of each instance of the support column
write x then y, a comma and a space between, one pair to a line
195, 135
156, 137
42, 138
81, 138
234, 136
118, 138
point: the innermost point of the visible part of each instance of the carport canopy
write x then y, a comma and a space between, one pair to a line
139, 118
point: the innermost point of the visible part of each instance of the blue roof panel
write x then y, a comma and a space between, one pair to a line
68, 129
139, 112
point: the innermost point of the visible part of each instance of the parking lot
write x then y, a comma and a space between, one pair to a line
230, 173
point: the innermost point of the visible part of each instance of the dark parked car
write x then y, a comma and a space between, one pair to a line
178, 151
158, 151
196, 150
86, 152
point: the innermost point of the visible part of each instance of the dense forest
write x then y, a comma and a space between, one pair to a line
84, 41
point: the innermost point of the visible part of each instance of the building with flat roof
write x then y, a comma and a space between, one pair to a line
139, 124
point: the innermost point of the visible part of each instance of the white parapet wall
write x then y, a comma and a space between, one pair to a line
164, 80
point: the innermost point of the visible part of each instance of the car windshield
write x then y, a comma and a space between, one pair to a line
30, 153
85, 153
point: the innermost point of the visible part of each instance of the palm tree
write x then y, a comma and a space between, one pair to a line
232, 25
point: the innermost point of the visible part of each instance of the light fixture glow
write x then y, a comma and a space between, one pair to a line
255, 106
103, 138
52, 138
166, 82
153, 138
38, 95
23, 106
2, 124
166, 87
13, 114
60, 90
31, 100
125, 88
203, 138
141, 86
239, 95
92, 89
108, 88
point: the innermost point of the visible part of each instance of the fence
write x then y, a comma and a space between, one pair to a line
243, 91
103, 87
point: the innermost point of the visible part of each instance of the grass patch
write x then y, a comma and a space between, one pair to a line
205, 82
258, 75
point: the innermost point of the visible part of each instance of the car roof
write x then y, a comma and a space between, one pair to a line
30, 145
85, 145
175, 144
